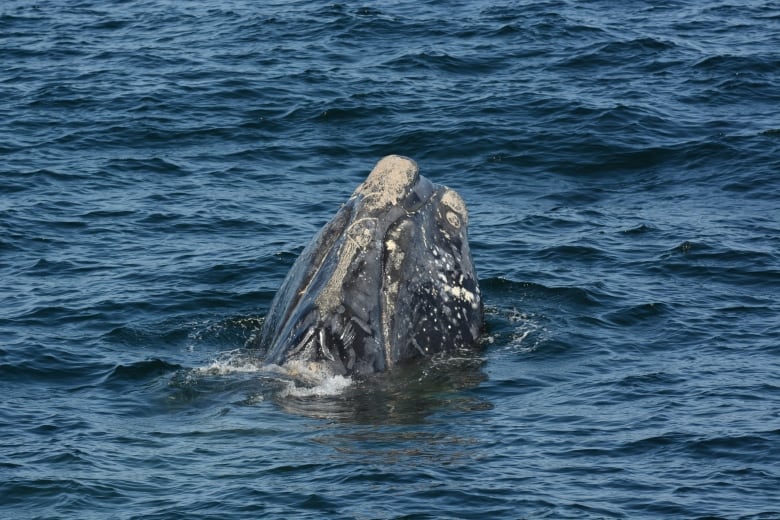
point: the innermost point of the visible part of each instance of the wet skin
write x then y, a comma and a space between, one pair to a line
388, 280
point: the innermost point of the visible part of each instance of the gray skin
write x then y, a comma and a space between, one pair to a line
387, 280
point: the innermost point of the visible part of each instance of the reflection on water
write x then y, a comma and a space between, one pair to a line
405, 395
390, 446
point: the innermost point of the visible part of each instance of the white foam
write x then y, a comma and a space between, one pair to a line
231, 362
334, 385
317, 379
525, 325
302, 379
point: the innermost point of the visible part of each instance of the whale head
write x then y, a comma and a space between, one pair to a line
389, 279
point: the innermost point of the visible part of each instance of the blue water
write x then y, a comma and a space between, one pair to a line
162, 164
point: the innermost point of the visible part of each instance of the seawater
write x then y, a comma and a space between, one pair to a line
163, 163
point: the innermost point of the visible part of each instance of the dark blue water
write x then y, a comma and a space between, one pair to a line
162, 164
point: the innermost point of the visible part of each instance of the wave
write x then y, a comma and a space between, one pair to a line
139, 371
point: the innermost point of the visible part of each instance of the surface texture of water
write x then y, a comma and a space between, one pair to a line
162, 164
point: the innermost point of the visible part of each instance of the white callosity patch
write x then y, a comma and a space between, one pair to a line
459, 301
385, 186
388, 182
358, 237
394, 258
460, 293
453, 219
451, 199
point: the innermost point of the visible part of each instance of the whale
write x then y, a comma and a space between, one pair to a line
388, 281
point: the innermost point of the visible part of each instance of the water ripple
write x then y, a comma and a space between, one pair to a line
163, 165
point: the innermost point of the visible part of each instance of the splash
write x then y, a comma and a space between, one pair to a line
300, 379
237, 361
516, 331
316, 381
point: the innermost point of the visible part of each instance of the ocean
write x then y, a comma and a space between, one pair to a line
163, 163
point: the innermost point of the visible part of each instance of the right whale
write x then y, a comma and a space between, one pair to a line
388, 280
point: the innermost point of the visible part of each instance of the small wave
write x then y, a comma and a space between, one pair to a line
570, 295
641, 229
714, 262
570, 252
443, 62
602, 53
635, 314
37, 362
140, 371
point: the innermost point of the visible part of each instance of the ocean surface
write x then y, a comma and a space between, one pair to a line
162, 164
